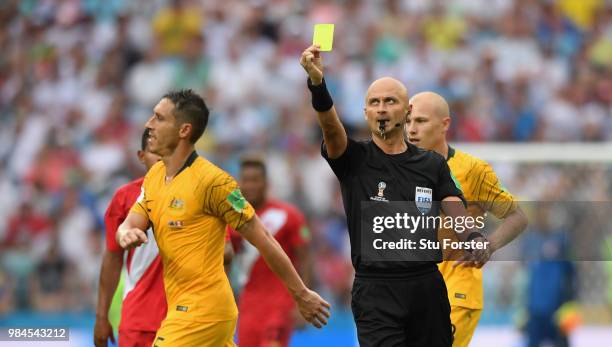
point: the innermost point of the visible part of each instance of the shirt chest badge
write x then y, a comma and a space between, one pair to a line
380, 196
423, 199
177, 204
176, 207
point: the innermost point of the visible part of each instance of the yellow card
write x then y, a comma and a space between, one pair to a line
324, 36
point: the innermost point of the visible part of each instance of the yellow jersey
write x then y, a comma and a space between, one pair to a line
189, 215
484, 193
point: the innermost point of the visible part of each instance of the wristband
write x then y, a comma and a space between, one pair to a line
321, 100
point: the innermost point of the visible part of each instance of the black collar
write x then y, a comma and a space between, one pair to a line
409, 151
451, 153
192, 157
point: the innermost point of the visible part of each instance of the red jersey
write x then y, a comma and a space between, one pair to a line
144, 300
263, 289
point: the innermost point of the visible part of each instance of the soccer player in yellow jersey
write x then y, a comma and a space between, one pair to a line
188, 201
426, 127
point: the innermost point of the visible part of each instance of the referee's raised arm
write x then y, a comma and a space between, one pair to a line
334, 134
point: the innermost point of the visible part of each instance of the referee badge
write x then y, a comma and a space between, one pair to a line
423, 199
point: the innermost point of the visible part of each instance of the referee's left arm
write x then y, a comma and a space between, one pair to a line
449, 193
454, 207
453, 203
511, 226
494, 198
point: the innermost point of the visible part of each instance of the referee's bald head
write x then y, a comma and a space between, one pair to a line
386, 108
388, 83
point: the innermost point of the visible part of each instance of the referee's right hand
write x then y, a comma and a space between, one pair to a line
131, 238
313, 308
311, 62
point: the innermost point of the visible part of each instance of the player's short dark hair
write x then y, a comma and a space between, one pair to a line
255, 160
190, 108
143, 140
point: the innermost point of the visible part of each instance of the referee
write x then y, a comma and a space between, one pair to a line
394, 303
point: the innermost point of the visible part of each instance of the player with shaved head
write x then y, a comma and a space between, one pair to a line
394, 303
426, 127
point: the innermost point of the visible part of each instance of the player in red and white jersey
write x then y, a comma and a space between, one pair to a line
144, 300
267, 311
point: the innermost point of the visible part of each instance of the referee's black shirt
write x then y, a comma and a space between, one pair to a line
361, 169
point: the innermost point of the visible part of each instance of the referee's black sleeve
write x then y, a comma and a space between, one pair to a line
447, 185
348, 161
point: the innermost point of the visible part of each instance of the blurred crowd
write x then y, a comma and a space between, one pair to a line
78, 79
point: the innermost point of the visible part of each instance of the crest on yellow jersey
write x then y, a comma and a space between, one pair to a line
177, 204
